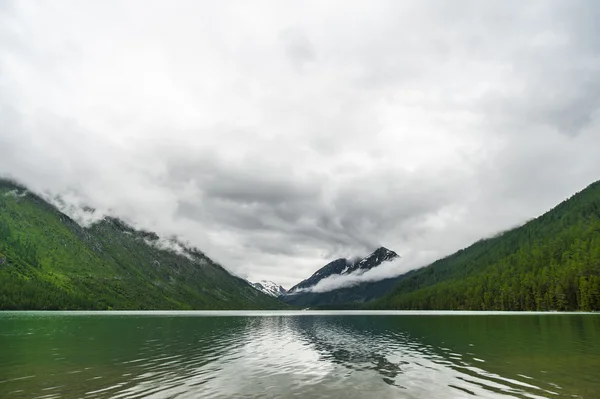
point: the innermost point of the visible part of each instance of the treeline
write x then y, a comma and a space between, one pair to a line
550, 263
17, 246
32, 293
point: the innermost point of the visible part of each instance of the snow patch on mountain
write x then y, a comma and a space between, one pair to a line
269, 288
389, 269
380, 265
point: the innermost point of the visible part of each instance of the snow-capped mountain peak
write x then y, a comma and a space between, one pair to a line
269, 288
345, 266
380, 255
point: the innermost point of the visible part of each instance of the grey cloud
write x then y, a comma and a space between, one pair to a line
294, 135
297, 47
6, 6
555, 70
293, 212
565, 95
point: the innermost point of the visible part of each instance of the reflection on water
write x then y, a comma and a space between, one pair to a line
188, 355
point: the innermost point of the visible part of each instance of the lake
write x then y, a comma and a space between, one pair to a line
303, 354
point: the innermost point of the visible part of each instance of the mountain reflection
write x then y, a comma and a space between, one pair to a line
341, 344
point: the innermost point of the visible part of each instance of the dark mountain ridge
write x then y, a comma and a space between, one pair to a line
345, 266
300, 294
48, 261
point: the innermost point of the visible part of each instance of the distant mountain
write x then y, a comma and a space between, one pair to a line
300, 294
269, 288
549, 263
375, 259
345, 266
48, 261
338, 266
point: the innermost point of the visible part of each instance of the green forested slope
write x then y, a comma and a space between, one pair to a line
550, 263
47, 261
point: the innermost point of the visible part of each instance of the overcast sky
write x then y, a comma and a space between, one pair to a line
277, 136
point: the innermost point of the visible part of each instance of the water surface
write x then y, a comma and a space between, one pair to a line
304, 354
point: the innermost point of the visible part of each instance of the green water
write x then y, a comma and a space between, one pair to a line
303, 354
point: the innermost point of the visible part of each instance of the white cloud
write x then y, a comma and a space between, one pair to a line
276, 136
386, 270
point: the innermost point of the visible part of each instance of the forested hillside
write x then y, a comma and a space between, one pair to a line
550, 263
47, 261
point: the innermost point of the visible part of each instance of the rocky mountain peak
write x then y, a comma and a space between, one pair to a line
345, 266
379, 256
269, 288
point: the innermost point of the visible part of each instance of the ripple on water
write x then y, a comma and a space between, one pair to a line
312, 357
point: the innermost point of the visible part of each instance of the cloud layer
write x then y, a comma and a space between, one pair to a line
384, 271
276, 136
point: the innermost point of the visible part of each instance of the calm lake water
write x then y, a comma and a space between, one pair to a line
304, 354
